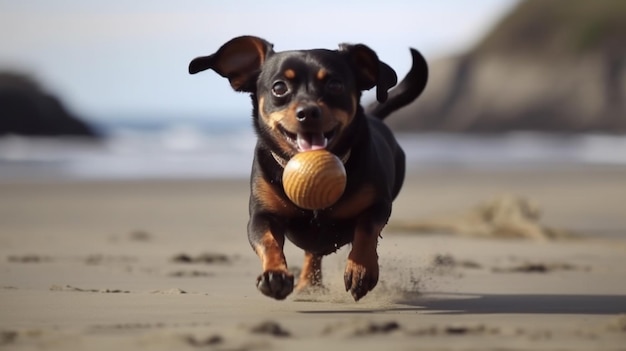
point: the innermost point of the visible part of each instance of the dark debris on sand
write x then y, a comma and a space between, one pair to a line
208, 258
270, 328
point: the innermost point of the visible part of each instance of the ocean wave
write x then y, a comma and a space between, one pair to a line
186, 151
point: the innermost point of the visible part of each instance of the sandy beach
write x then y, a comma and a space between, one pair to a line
164, 265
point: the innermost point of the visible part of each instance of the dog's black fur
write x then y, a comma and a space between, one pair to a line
310, 99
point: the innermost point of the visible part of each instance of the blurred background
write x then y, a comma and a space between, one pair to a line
100, 90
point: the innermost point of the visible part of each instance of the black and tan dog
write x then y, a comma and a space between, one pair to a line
310, 99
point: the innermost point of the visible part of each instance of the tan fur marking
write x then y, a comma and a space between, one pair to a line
311, 275
272, 120
356, 204
270, 253
321, 74
270, 201
290, 74
283, 118
362, 265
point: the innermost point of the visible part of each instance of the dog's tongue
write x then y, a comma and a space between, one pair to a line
311, 141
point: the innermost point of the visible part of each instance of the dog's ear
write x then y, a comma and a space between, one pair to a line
239, 60
369, 70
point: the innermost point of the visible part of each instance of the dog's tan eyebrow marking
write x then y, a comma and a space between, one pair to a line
290, 74
321, 74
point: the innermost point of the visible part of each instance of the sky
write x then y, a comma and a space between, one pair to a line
128, 59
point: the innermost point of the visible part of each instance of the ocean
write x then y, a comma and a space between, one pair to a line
222, 149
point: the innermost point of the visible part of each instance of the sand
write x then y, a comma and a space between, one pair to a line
164, 265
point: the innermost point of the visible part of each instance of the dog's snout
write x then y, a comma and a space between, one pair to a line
308, 112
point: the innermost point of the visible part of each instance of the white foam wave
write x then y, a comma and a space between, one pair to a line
183, 151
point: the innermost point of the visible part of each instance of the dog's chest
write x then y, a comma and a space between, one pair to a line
320, 234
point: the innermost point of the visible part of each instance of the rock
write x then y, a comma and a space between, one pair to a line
553, 66
26, 109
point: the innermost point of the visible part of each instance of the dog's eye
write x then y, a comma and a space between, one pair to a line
334, 86
280, 89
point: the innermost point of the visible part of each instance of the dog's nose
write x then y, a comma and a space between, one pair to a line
308, 112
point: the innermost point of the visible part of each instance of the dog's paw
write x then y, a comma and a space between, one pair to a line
275, 284
360, 277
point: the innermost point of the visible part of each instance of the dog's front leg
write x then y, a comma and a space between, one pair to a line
361, 274
268, 241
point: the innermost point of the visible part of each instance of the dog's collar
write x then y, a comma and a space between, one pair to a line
283, 162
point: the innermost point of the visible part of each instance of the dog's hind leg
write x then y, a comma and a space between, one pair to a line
311, 275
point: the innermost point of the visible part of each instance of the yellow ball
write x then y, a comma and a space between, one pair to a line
314, 180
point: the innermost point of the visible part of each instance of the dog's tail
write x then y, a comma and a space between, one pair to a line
404, 93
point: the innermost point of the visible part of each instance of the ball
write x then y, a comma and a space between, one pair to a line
314, 180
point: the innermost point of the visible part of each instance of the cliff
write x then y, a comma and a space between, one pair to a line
557, 66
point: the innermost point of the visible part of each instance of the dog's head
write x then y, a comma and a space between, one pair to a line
305, 99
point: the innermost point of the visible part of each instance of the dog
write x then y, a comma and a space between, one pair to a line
306, 100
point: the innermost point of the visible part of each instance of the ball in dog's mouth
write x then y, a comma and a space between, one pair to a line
314, 179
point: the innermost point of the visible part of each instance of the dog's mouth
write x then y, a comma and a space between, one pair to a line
307, 141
